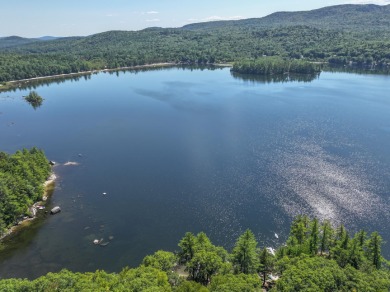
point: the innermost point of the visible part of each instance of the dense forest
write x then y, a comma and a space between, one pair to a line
274, 65
338, 34
316, 257
21, 184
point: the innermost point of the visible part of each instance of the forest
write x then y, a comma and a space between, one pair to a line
332, 34
22, 176
316, 257
274, 65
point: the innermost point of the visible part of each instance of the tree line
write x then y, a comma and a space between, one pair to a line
21, 183
116, 49
274, 66
316, 257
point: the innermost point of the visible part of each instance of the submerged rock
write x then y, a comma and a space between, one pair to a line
55, 210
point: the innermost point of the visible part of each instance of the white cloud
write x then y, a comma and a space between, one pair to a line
152, 20
152, 12
215, 18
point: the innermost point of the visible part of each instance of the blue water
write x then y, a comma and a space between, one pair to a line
180, 150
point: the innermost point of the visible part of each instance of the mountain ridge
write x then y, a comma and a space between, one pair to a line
337, 34
350, 13
353, 14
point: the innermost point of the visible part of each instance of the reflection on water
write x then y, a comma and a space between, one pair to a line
278, 78
36, 83
177, 150
356, 69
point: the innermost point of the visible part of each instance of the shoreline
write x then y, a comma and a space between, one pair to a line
9, 85
13, 84
48, 190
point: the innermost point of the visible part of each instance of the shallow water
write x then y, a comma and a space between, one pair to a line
181, 150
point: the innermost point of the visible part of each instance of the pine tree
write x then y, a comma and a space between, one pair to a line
374, 249
326, 236
266, 263
314, 235
244, 253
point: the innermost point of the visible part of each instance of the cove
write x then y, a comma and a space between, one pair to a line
183, 149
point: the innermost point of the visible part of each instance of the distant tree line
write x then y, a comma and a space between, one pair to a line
316, 257
21, 183
274, 66
116, 49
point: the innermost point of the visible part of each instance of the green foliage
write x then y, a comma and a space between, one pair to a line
311, 274
190, 286
374, 249
21, 183
143, 279
320, 274
245, 255
266, 263
328, 260
274, 65
187, 245
336, 34
202, 258
235, 283
34, 99
162, 260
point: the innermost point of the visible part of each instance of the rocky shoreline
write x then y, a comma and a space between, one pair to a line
48, 185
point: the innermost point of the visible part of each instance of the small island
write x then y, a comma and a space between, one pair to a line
275, 66
34, 99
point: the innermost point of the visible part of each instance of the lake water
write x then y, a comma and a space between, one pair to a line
181, 150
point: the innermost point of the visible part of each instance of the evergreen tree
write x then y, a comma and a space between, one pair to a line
266, 261
374, 249
326, 237
314, 237
244, 253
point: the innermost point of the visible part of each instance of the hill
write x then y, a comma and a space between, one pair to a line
14, 41
337, 34
356, 18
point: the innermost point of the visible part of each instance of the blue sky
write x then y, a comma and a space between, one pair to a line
33, 18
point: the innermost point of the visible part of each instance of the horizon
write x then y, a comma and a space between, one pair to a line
25, 19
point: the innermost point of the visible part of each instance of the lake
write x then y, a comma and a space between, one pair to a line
183, 149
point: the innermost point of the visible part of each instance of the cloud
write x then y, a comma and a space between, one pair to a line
152, 12
215, 18
152, 20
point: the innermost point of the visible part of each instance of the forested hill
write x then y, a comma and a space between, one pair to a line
14, 41
337, 34
357, 18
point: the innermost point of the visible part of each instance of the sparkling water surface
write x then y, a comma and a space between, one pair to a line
179, 150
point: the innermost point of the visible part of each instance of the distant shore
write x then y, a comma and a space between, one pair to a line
9, 85
49, 187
